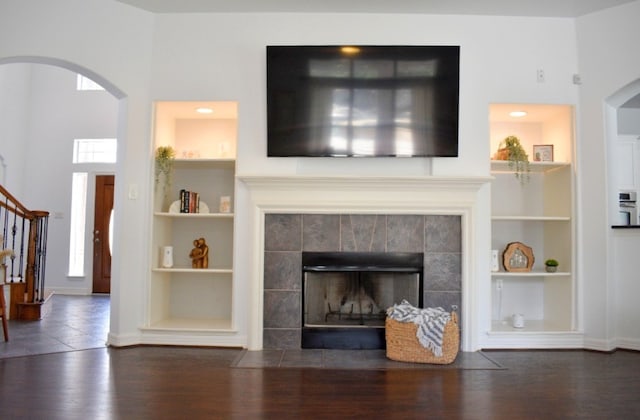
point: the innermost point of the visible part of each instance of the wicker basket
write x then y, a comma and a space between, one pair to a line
403, 345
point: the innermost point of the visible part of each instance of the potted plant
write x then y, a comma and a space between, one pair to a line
551, 265
165, 156
511, 150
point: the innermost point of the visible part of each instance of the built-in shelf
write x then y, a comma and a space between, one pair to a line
536, 209
186, 305
502, 166
529, 274
194, 270
222, 163
193, 325
190, 215
532, 218
530, 326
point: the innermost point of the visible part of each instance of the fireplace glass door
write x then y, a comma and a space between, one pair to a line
355, 299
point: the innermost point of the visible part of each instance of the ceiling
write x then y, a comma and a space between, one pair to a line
545, 8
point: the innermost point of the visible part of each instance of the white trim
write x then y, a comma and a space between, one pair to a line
366, 195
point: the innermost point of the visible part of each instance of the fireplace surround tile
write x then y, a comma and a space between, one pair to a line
320, 232
443, 233
363, 233
405, 233
282, 338
438, 236
282, 309
283, 232
282, 270
442, 271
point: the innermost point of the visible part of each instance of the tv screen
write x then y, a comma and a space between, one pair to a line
373, 101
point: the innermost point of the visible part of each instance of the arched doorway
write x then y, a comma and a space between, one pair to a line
59, 232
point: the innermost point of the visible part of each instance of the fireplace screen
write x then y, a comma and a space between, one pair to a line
355, 298
346, 295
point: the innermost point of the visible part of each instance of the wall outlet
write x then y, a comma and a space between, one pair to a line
499, 284
540, 75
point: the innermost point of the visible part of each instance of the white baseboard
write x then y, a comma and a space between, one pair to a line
69, 291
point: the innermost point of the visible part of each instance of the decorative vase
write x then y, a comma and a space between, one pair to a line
551, 268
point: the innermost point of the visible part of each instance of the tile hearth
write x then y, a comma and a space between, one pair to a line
353, 359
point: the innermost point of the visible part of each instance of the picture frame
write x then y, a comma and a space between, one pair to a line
543, 153
518, 257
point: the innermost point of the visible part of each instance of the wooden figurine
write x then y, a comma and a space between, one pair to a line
199, 254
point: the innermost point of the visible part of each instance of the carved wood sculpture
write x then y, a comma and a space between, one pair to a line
518, 257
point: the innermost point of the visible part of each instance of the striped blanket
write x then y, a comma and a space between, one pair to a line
430, 322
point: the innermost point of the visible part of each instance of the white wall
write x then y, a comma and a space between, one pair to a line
58, 114
222, 57
15, 81
608, 60
628, 121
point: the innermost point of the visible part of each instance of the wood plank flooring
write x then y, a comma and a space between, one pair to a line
148, 382
200, 383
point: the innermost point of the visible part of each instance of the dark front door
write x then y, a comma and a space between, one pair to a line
102, 224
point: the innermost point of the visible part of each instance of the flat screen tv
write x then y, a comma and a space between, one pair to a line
369, 101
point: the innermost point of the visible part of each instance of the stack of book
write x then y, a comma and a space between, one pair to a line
189, 201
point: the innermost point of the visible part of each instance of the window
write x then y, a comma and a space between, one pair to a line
85, 151
76, 240
84, 83
94, 150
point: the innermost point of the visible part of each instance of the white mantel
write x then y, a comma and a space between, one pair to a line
365, 195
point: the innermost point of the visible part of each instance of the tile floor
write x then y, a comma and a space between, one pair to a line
74, 323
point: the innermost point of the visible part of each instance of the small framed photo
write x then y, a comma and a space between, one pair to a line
543, 153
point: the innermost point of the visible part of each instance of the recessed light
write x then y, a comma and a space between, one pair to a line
350, 50
518, 114
204, 110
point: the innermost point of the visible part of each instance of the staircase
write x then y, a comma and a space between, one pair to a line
24, 232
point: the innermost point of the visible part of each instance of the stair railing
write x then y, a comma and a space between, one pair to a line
25, 232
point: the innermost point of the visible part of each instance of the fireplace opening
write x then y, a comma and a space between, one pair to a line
346, 294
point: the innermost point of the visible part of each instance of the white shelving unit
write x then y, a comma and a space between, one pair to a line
194, 306
540, 214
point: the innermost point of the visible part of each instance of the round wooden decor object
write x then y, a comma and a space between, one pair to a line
517, 257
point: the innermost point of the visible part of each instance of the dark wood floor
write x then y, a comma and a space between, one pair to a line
195, 383
58, 368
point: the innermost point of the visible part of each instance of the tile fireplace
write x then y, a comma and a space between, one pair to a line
434, 215
417, 255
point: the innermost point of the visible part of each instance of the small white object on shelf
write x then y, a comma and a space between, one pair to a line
225, 204
167, 256
175, 207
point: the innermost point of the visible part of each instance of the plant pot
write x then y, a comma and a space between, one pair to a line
551, 268
502, 154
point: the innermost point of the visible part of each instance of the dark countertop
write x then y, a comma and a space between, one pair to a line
625, 226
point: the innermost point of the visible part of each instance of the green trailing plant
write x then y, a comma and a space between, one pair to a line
165, 156
551, 263
517, 157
